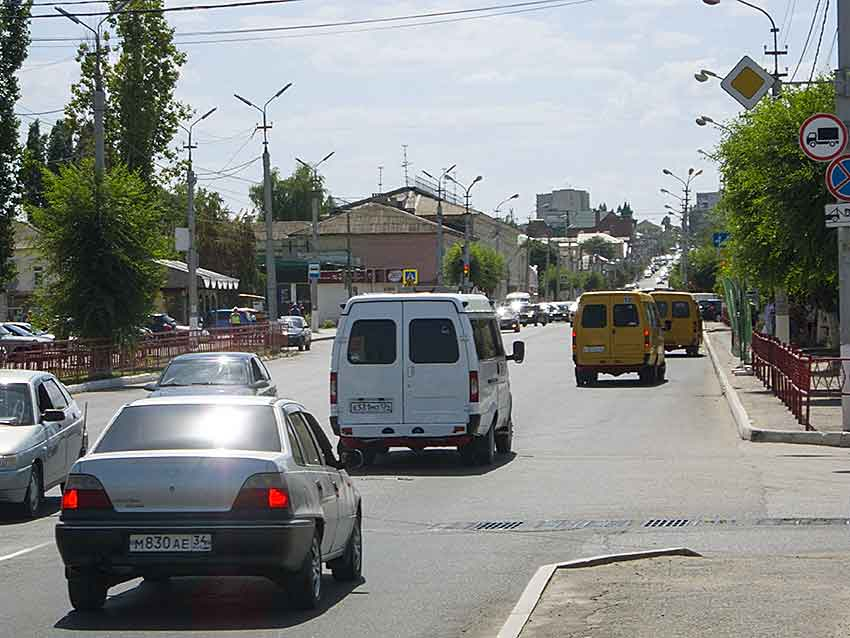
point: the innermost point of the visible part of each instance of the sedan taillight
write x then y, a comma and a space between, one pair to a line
262, 492
84, 492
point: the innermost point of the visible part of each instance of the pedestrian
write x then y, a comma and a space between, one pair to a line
235, 317
294, 310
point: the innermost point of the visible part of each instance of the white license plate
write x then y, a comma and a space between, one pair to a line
371, 407
594, 348
170, 542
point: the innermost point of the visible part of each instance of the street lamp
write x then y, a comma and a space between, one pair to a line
702, 120
314, 283
99, 95
704, 74
686, 184
467, 230
440, 220
505, 201
713, 158
192, 253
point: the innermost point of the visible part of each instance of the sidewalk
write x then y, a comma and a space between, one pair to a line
325, 334
680, 596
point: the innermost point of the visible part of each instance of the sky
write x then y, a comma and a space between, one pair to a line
599, 96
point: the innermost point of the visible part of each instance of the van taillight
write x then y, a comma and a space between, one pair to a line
333, 388
473, 387
84, 492
261, 492
574, 339
646, 345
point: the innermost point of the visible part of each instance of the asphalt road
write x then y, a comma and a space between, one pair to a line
591, 467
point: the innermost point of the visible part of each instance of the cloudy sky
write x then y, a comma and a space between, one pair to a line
599, 95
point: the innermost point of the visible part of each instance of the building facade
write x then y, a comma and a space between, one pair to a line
568, 206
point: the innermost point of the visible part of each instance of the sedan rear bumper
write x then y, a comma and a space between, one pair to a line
251, 549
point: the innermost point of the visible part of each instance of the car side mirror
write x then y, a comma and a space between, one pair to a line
260, 383
351, 459
151, 387
52, 416
518, 354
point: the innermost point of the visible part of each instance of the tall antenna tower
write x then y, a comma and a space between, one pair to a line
405, 164
380, 179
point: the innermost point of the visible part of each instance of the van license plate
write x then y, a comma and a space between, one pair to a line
371, 407
170, 542
594, 348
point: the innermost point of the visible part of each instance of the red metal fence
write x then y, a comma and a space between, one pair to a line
81, 360
794, 376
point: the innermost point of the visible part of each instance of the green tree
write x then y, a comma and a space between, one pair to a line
291, 197
32, 166
598, 246
774, 197
537, 254
486, 266
102, 273
60, 146
14, 39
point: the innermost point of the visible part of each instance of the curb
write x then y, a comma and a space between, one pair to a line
323, 337
760, 435
534, 590
110, 384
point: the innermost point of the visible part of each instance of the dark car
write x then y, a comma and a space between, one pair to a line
508, 318
215, 373
557, 312
163, 323
297, 332
539, 313
711, 309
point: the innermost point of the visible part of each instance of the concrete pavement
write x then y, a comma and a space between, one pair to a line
586, 460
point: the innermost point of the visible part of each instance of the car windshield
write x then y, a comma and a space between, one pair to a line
15, 404
192, 427
18, 330
205, 371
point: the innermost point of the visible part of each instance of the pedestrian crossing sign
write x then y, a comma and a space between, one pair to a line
410, 276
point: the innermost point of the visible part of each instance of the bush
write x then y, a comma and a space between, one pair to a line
328, 324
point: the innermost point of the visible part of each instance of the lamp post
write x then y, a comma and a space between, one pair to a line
703, 120
271, 262
192, 253
99, 95
777, 76
686, 184
704, 74
467, 231
314, 284
440, 220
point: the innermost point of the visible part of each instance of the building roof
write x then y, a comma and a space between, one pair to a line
280, 230
371, 218
210, 278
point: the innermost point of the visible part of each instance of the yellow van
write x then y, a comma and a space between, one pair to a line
615, 333
681, 320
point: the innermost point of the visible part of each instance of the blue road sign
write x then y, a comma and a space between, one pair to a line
720, 239
838, 178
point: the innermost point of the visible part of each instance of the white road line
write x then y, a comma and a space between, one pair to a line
24, 551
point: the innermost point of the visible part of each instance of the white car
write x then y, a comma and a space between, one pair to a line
422, 370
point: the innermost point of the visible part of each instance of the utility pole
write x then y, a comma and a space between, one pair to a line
842, 100
192, 253
271, 261
685, 237
546, 272
467, 232
349, 287
440, 219
380, 179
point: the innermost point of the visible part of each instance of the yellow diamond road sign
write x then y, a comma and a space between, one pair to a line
748, 82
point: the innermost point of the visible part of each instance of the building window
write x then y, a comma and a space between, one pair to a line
37, 275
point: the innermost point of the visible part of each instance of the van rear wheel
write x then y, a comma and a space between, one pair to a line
647, 375
505, 438
485, 447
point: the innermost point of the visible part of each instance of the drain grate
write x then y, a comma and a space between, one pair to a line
667, 522
494, 525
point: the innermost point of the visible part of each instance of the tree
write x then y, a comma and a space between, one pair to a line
537, 254
625, 210
32, 166
486, 266
101, 269
292, 197
60, 146
14, 39
598, 246
774, 197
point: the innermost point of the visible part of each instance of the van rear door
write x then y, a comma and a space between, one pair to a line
436, 375
594, 323
370, 367
627, 331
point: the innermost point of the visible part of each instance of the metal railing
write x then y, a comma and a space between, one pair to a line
86, 359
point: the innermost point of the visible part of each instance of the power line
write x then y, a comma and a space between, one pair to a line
230, 171
808, 38
42, 112
828, 59
192, 7
820, 39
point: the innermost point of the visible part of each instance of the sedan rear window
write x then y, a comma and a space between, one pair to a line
594, 316
206, 371
193, 427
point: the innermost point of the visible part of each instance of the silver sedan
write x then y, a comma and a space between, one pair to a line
209, 486
42, 433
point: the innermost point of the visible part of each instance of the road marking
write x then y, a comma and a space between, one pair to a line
24, 551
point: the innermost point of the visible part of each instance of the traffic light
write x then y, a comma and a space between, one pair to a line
465, 269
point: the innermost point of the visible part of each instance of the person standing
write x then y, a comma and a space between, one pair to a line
235, 318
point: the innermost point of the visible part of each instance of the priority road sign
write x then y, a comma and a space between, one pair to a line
838, 178
836, 215
410, 276
748, 82
823, 137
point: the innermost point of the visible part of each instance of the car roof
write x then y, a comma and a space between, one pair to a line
464, 303
12, 376
192, 356
217, 399
608, 293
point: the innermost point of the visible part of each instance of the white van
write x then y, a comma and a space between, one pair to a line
422, 370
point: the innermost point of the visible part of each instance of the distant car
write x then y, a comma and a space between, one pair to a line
710, 309
22, 332
28, 329
214, 373
508, 318
11, 341
556, 312
210, 486
298, 332
221, 318
541, 313
42, 433
572, 306
163, 323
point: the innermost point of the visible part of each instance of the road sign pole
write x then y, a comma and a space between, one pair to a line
842, 99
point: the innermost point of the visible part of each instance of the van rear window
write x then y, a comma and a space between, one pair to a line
626, 315
662, 308
594, 316
681, 310
433, 341
372, 342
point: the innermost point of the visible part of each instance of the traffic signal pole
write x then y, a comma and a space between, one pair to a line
842, 104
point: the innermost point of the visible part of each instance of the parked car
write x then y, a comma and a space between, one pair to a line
221, 318
11, 341
28, 327
298, 332
508, 318
215, 373
42, 434
163, 323
210, 486
422, 370
711, 309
